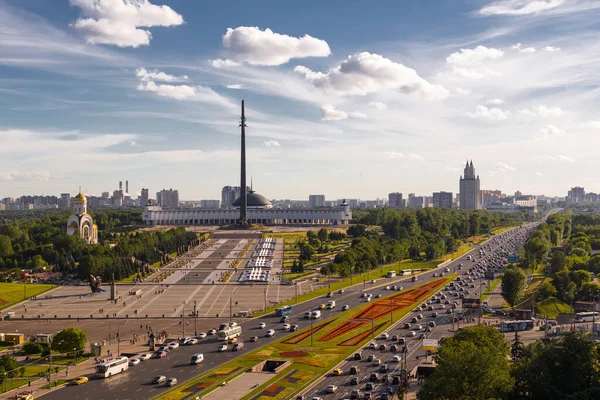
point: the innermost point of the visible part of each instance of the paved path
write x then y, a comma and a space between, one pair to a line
239, 387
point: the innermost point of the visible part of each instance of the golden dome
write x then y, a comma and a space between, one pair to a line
80, 197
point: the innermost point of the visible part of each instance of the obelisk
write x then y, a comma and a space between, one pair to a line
243, 187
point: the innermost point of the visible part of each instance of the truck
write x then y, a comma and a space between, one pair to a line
415, 278
331, 304
315, 314
391, 274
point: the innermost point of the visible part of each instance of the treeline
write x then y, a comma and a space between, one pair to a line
474, 364
41, 242
427, 233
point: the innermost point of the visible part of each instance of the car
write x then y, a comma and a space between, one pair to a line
337, 372
396, 380
80, 380
401, 341
413, 320
160, 354
270, 333
145, 357
254, 339
191, 342
201, 335
163, 348
368, 386
374, 377
286, 327
232, 340
371, 358
373, 281
382, 347
383, 369
345, 307
328, 295
284, 319
159, 379
407, 325
354, 370
332, 388
197, 359
384, 336
367, 299
262, 325
372, 346
133, 362
211, 332
388, 288
393, 348
341, 291
422, 335
294, 328
394, 338
321, 306
431, 324
430, 308
434, 315
417, 327
399, 288
354, 381
307, 315
358, 355
184, 340
222, 348
411, 334
500, 313
171, 382
419, 316
238, 347
396, 359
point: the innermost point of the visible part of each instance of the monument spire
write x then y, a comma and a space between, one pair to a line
243, 189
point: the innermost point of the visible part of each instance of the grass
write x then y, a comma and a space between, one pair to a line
321, 356
501, 229
56, 383
552, 307
12, 293
129, 279
490, 289
291, 276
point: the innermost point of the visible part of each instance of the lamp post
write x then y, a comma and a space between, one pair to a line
195, 317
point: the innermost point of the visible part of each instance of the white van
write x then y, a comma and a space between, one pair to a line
330, 304
316, 314
197, 359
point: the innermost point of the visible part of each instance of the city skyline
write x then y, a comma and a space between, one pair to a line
333, 112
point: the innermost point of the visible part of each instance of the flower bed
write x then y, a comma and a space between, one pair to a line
300, 337
293, 354
355, 340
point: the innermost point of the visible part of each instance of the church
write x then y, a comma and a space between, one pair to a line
81, 222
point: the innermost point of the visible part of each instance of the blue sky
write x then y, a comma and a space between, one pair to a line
344, 98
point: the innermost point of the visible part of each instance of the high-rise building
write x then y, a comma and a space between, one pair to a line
212, 204
127, 187
442, 199
105, 195
490, 196
144, 197
470, 194
576, 195
65, 200
168, 198
316, 200
415, 201
120, 185
395, 200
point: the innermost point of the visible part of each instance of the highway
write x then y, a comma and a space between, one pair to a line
135, 383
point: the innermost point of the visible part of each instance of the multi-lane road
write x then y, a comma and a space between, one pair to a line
135, 383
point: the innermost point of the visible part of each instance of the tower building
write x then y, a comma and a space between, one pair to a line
470, 193
81, 223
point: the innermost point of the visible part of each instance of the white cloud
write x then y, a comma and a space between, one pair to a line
491, 114
560, 158
178, 92
145, 76
474, 73
591, 124
539, 174
520, 49
118, 21
237, 86
133, 143
378, 105
330, 113
495, 101
364, 73
271, 143
519, 7
454, 170
542, 111
474, 56
257, 47
462, 91
551, 49
414, 156
551, 130
502, 167
24, 176
221, 63
358, 114
393, 155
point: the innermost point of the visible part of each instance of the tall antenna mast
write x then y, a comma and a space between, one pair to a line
243, 187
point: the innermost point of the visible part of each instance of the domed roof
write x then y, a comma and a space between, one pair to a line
254, 200
80, 197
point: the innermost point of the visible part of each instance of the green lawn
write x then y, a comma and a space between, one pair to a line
11, 293
552, 307
129, 279
501, 229
319, 358
490, 289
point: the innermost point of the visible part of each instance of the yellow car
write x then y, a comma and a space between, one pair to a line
337, 372
322, 307
80, 380
232, 341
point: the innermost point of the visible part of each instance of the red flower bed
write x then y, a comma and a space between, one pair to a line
204, 385
300, 337
355, 340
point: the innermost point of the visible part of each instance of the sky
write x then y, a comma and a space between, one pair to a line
350, 99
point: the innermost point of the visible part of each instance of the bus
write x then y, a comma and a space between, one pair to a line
405, 272
285, 310
229, 333
515, 326
588, 316
112, 367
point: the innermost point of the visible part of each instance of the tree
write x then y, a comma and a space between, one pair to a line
6, 249
558, 368
513, 285
356, 230
32, 348
546, 290
517, 347
9, 367
69, 340
471, 365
